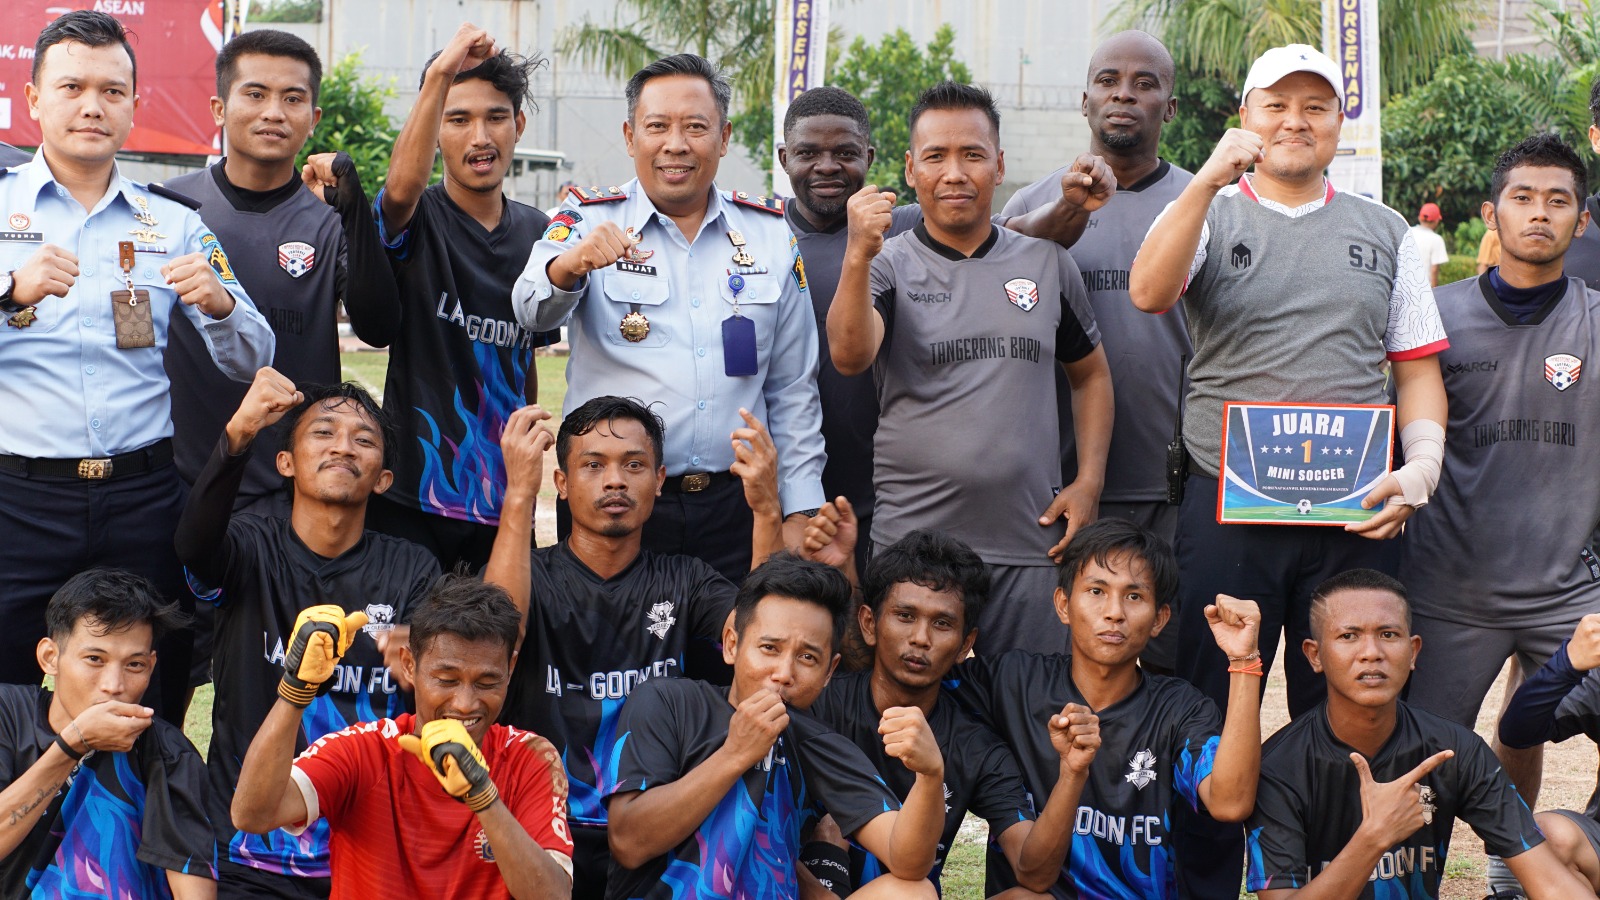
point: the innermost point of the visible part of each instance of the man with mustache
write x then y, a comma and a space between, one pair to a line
1521, 336
1128, 99
602, 614
1294, 293
826, 153
262, 571
963, 321
692, 298
460, 363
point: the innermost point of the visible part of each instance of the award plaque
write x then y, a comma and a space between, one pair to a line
1302, 463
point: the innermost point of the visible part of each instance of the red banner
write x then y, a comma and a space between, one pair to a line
176, 44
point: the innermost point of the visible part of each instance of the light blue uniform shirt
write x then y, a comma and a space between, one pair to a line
69, 391
679, 365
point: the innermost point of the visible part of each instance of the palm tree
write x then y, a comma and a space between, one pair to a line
734, 34
1220, 38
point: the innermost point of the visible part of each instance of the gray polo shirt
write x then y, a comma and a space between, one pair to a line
1299, 305
1145, 352
967, 438
1507, 538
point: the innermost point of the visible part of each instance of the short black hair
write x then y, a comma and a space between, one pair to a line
1110, 537
955, 95
936, 561
510, 73
1354, 580
468, 608
116, 599
83, 26
346, 393
787, 575
607, 409
827, 101
681, 64
266, 42
1544, 150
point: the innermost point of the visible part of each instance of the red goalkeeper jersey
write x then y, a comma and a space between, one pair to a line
394, 828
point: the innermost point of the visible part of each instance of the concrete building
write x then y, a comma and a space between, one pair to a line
1032, 54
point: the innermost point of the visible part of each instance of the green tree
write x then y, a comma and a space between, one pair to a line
1206, 108
752, 128
275, 11
888, 77
1222, 37
354, 120
1440, 140
734, 34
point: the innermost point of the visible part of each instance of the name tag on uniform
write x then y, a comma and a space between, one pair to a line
1302, 463
24, 237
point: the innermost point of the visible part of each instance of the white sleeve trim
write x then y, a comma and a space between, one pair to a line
1200, 250
1413, 315
308, 793
562, 860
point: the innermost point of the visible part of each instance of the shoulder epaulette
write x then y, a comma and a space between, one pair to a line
161, 190
598, 195
766, 204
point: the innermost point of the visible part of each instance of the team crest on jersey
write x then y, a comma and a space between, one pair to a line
1023, 292
380, 618
661, 619
1429, 800
1141, 769
296, 257
1562, 370
480, 845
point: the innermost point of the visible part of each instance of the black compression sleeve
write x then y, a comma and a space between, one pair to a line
370, 295
1531, 719
203, 529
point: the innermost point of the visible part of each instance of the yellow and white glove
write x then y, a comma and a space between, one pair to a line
321, 637
453, 758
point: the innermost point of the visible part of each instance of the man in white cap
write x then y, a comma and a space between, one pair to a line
1294, 293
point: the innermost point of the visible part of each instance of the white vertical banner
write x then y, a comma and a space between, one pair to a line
1350, 36
800, 49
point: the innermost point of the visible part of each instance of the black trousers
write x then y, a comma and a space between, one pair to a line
591, 863
56, 527
1277, 566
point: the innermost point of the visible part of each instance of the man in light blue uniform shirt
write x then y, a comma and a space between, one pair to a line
92, 269
693, 300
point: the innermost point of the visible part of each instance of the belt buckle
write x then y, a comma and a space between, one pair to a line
696, 482
94, 468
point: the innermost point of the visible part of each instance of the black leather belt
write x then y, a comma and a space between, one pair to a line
694, 482
134, 462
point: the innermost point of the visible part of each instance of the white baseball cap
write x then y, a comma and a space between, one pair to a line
1273, 65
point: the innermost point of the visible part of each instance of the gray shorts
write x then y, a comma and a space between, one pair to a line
1459, 663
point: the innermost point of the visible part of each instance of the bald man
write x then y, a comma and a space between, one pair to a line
1128, 99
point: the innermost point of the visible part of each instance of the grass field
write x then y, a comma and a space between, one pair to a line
1569, 767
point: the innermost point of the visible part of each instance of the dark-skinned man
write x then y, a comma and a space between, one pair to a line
1128, 99
826, 153
693, 299
602, 614
961, 320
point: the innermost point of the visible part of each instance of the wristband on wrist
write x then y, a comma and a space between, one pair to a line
829, 864
1253, 667
1423, 442
67, 748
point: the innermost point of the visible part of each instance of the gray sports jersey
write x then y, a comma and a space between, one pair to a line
849, 402
291, 256
1145, 352
967, 441
1299, 306
1507, 541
